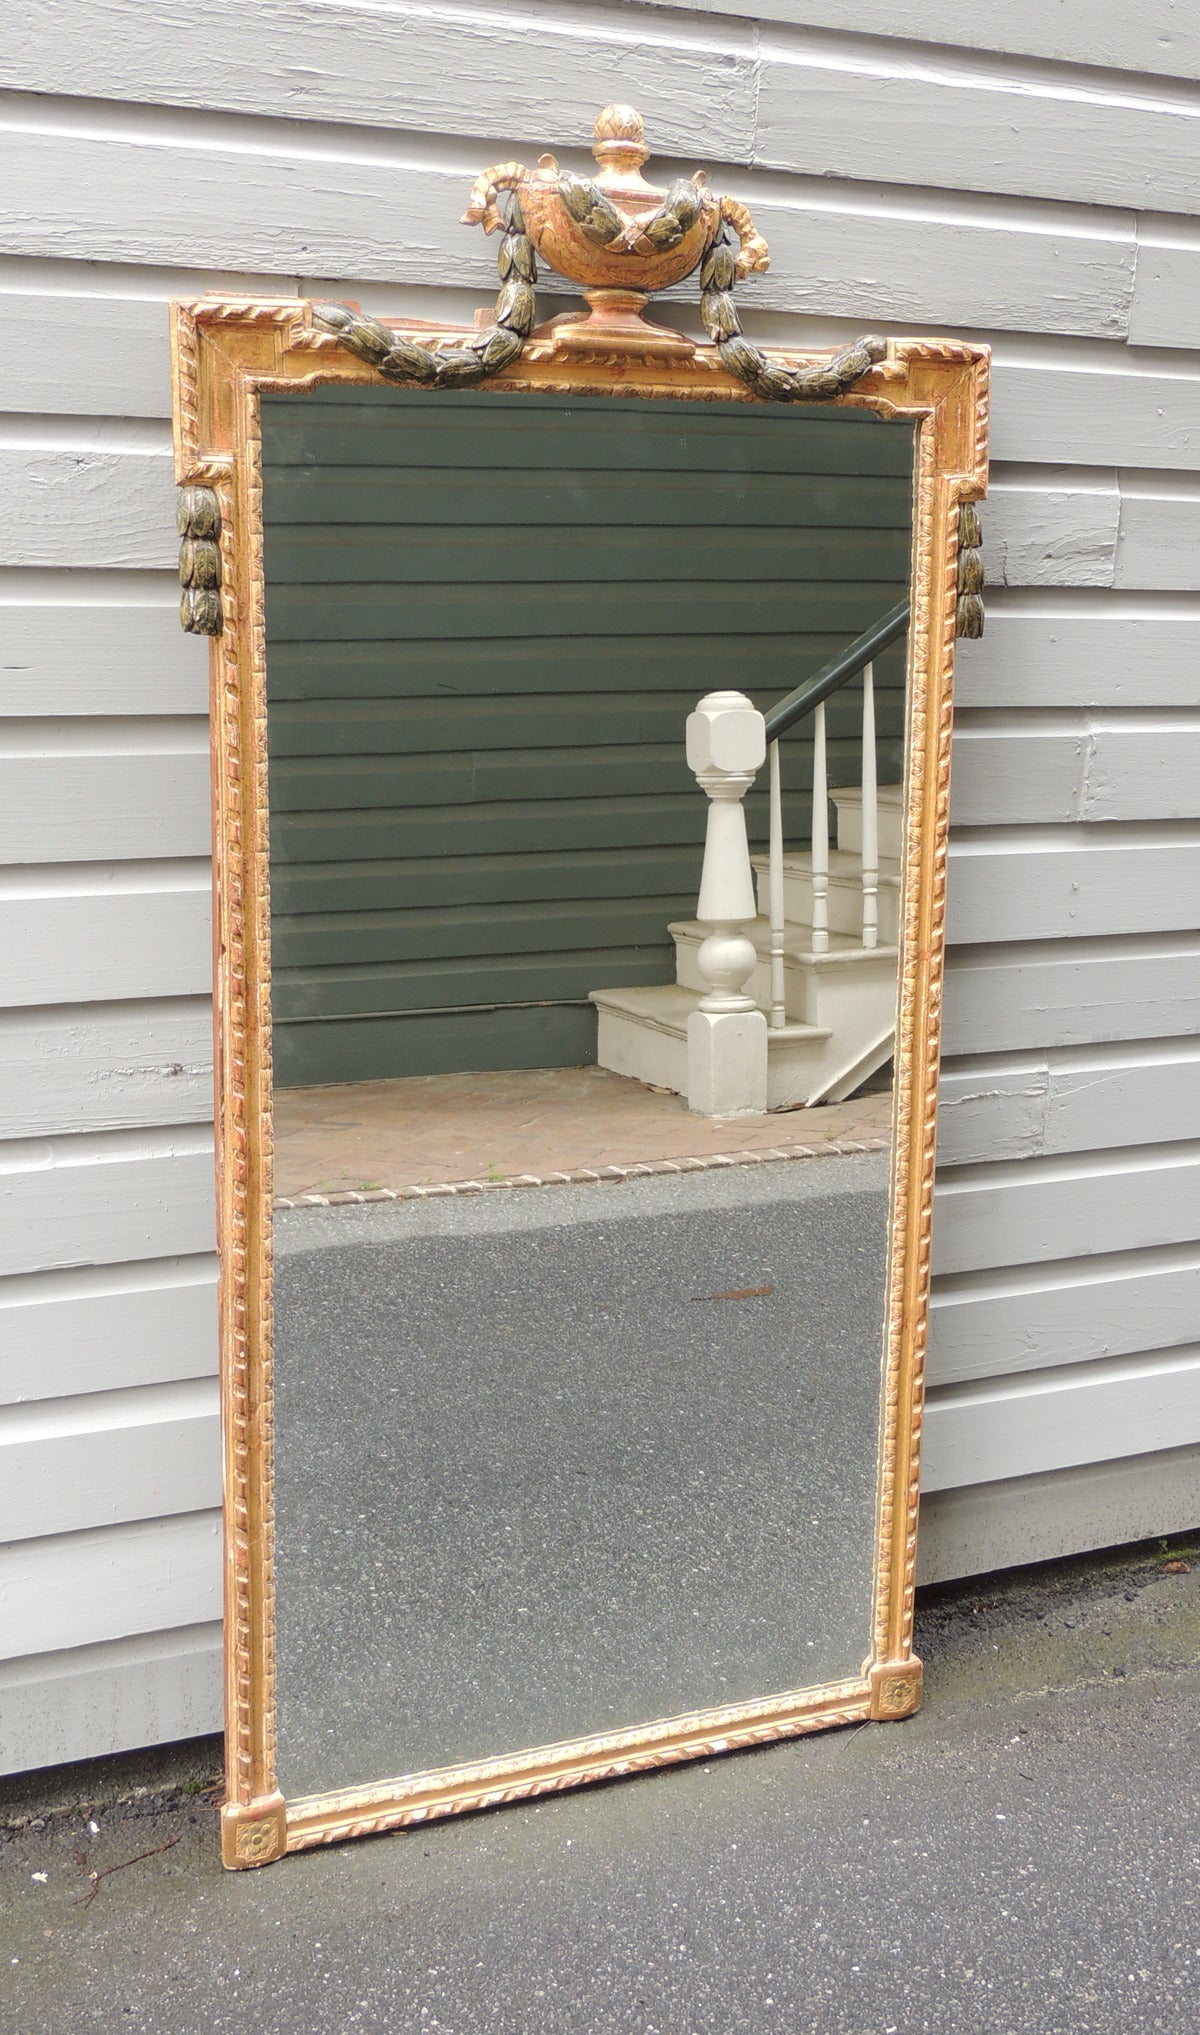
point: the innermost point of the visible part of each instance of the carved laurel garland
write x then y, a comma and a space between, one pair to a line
969, 619
719, 270
592, 210
403, 359
684, 207
769, 379
737, 250
198, 514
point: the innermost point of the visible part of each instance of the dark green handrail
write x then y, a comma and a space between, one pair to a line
787, 712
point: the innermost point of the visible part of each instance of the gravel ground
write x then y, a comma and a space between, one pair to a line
1021, 1858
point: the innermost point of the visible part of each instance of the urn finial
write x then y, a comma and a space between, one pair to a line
620, 142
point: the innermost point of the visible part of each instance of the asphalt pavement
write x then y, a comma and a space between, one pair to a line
1021, 1858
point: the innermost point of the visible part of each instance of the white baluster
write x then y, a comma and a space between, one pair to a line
775, 895
727, 1034
870, 815
820, 838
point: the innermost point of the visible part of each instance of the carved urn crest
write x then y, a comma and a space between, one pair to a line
620, 239
617, 236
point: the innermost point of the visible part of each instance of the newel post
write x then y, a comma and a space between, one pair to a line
727, 1034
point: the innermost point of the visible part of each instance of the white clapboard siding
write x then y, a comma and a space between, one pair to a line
953, 122
78, 1589
1077, 767
463, 73
102, 1458
282, 212
1026, 1426
1160, 536
1070, 1101
104, 1198
1153, 306
65, 653
76, 934
1090, 416
145, 801
1047, 883
1107, 411
86, 1067
99, 357
1165, 311
914, 168
834, 105
114, 1697
94, 506
54, 351
1112, 656
874, 256
1052, 535
116, 508
1047, 1208
1164, 40
1032, 1317
97, 1328
976, 1527
1078, 993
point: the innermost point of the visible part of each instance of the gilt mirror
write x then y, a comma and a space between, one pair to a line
581, 707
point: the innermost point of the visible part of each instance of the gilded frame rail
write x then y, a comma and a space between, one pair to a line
226, 353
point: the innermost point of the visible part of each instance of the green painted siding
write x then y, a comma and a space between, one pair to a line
487, 619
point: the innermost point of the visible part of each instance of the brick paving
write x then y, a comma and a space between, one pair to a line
481, 1129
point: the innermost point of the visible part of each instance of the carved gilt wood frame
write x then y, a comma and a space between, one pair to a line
226, 354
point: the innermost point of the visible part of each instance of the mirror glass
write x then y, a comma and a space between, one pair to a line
562, 1458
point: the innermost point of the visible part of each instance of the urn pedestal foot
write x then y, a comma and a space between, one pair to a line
613, 321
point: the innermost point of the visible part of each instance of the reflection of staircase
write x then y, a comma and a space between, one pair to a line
840, 1005
783, 993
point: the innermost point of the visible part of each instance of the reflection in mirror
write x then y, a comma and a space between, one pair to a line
560, 1459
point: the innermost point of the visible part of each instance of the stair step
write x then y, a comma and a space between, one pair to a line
837, 989
667, 1006
848, 801
844, 866
845, 950
844, 895
642, 1033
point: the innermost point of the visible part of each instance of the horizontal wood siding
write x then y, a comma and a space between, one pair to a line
533, 596
1024, 174
110, 1697
67, 1590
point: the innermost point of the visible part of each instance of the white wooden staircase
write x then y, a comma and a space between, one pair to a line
786, 980
839, 1002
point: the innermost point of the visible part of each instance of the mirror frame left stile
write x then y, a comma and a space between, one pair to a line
226, 353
